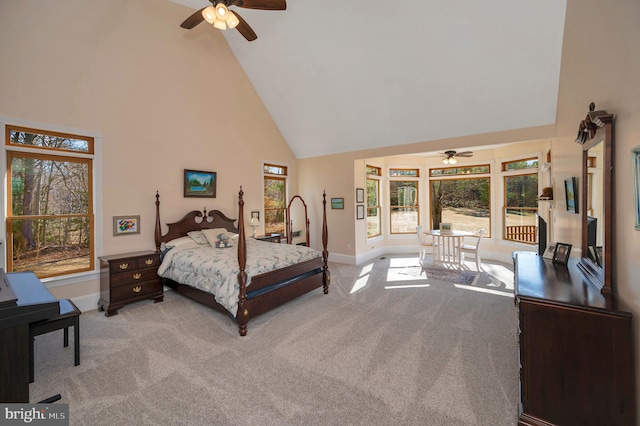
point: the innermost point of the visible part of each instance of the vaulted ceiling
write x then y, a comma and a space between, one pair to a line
358, 74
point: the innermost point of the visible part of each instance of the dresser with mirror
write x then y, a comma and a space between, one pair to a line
575, 345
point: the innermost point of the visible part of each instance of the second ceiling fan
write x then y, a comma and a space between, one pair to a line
222, 18
449, 156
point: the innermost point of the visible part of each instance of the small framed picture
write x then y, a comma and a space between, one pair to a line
360, 211
359, 195
571, 192
636, 184
561, 254
337, 203
445, 227
550, 251
199, 184
125, 225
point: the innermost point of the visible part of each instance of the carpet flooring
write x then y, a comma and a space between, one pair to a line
383, 347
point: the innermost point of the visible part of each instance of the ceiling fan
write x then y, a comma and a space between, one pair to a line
449, 156
221, 17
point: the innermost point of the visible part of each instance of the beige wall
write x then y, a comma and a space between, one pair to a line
163, 99
601, 63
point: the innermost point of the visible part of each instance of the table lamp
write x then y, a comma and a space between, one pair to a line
254, 224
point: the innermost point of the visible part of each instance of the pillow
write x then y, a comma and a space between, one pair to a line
215, 235
198, 237
179, 241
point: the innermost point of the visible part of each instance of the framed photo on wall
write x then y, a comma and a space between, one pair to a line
337, 203
125, 225
359, 195
636, 184
571, 191
199, 184
360, 211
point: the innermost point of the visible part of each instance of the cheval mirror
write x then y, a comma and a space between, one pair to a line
596, 137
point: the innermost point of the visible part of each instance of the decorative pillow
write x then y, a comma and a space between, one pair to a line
198, 237
218, 237
179, 241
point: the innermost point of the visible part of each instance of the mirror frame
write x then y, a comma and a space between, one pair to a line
602, 132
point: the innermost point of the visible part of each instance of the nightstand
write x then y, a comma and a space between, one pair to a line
273, 238
127, 278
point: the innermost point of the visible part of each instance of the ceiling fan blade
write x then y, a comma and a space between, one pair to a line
244, 28
464, 154
193, 20
260, 4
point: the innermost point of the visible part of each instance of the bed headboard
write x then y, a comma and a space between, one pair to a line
193, 221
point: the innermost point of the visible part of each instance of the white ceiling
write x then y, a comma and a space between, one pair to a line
373, 73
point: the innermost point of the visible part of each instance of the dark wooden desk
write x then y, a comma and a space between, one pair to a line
575, 348
23, 300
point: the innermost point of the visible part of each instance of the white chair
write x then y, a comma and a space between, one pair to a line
425, 244
473, 249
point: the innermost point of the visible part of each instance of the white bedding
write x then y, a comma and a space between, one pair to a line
215, 270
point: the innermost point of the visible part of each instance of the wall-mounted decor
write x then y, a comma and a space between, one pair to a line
561, 253
445, 227
360, 211
337, 203
199, 184
359, 195
125, 225
571, 192
636, 183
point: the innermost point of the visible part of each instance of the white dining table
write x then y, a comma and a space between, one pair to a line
447, 245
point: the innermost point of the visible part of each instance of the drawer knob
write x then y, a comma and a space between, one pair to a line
149, 261
137, 276
124, 266
137, 289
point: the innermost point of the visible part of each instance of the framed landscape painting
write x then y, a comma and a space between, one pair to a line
571, 191
199, 184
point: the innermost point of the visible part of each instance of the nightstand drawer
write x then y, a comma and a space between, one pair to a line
123, 265
149, 261
126, 292
134, 276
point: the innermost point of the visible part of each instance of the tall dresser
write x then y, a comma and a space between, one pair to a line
575, 348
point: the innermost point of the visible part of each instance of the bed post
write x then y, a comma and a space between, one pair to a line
326, 275
158, 232
242, 316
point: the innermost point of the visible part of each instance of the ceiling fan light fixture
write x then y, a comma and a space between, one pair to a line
220, 24
445, 160
221, 11
209, 14
452, 160
232, 20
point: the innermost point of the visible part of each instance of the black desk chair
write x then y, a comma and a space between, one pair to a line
69, 317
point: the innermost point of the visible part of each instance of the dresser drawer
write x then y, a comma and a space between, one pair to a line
134, 276
126, 292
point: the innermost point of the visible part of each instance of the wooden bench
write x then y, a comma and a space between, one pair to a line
69, 317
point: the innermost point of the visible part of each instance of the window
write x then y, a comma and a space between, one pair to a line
275, 198
50, 218
403, 200
374, 216
461, 200
521, 200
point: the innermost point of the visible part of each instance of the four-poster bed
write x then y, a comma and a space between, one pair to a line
265, 275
